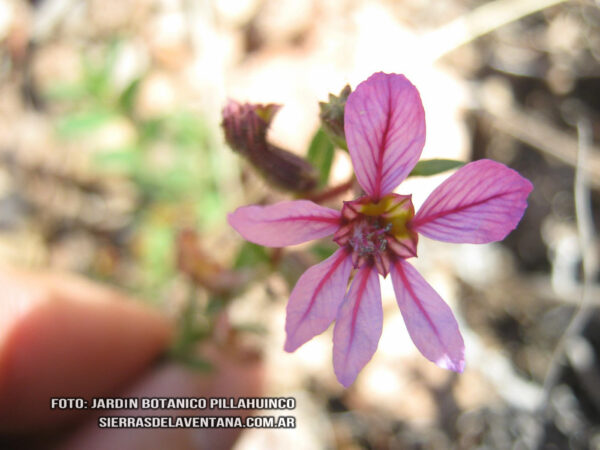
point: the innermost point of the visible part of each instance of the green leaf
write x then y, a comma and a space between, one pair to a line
427, 167
210, 208
74, 125
127, 97
123, 160
157, 251
323, 250
97, 72
186, 129
320, 155
251, 255
150, 129
177, 180
66, 92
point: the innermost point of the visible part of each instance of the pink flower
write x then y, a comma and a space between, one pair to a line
385, 131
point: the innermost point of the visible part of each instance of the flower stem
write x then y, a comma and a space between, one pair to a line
328, 194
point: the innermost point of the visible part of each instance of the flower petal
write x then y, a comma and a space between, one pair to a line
284, 223
482, 202
429, 320
315, 300
358, 326
384, 122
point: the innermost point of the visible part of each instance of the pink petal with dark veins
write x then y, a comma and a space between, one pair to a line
482, 202
316, 298
384, 122
430, 322
284, 223
358, 326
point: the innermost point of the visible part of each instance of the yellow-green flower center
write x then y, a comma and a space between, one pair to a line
378, 232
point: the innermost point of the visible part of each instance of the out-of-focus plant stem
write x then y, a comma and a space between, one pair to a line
330, 193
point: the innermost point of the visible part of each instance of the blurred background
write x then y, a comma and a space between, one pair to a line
113, 165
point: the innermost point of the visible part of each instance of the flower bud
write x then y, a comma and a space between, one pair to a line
332, 116
245, 127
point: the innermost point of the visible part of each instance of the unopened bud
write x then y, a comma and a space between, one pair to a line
245, 127
332, 116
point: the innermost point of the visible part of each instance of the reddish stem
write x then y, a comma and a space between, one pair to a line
327, 194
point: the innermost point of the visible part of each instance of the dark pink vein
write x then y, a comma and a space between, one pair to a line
383, 143
333, 220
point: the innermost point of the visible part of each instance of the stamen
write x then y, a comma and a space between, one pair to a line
377, 232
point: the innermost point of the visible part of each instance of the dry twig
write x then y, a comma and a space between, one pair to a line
585, 229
